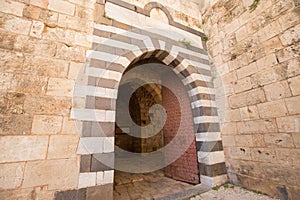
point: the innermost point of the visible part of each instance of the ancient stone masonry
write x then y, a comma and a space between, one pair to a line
126, 42
43, 45
61, 65
256, 56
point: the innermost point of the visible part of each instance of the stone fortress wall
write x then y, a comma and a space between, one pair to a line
256, 60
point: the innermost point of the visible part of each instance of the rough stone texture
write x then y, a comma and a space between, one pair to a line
36, 84
8, 124
62, 146
261, 50
57, 174
28, 193
60, 87
11, 175
25, 148
46, 124
43, 45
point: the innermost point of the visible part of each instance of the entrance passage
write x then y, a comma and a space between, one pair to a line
145, 186
148, 88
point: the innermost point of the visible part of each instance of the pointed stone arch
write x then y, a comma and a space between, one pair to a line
114, 49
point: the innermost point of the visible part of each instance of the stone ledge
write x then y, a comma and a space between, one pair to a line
184, 194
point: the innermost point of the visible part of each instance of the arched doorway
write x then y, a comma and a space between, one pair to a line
100, 81
143, 84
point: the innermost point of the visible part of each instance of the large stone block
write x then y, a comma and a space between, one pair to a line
296, 138
81, 39
15, 124
39, 3
264, 155
32, 12
272, 45
229, 128
7, 40
24, 83
270, 75
272, 109
247, 70
62, 146
15, 24
23, 148
243, 85
12, 7
288, 53
75, 23
277, 91
5, 80
75, 70
258, 140
85, 3
232, 115
57, 174
87, 179
292, 67
249, 113
244, 140
46, 124
59, 35
269, 31
289, 124
228, 141
71, 53
60, 87
279, 140
61, 6
242, 153
290, 19
11, 175
291, 36
12, 103
267, 61
257, 126
37, 29
35, 46
10, 61
39, 193
46, 105
294, 85
293, 105
71, 126
281, 173
288, 156
50, 18
102, 192
42, 66
252, 97
229, 78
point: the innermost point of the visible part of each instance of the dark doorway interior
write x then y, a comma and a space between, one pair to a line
179, 114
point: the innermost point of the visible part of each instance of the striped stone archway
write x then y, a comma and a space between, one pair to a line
115, 47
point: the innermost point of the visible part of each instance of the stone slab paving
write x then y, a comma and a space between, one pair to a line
156, 186
145, 186
236, 193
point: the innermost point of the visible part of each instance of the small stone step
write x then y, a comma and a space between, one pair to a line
185, 194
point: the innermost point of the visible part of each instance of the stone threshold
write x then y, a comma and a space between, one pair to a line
185, 194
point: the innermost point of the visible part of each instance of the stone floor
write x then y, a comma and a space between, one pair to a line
145, 186
152, 185
231, 194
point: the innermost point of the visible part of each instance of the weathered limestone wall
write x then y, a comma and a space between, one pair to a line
256, 55
182, 11
42, 47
